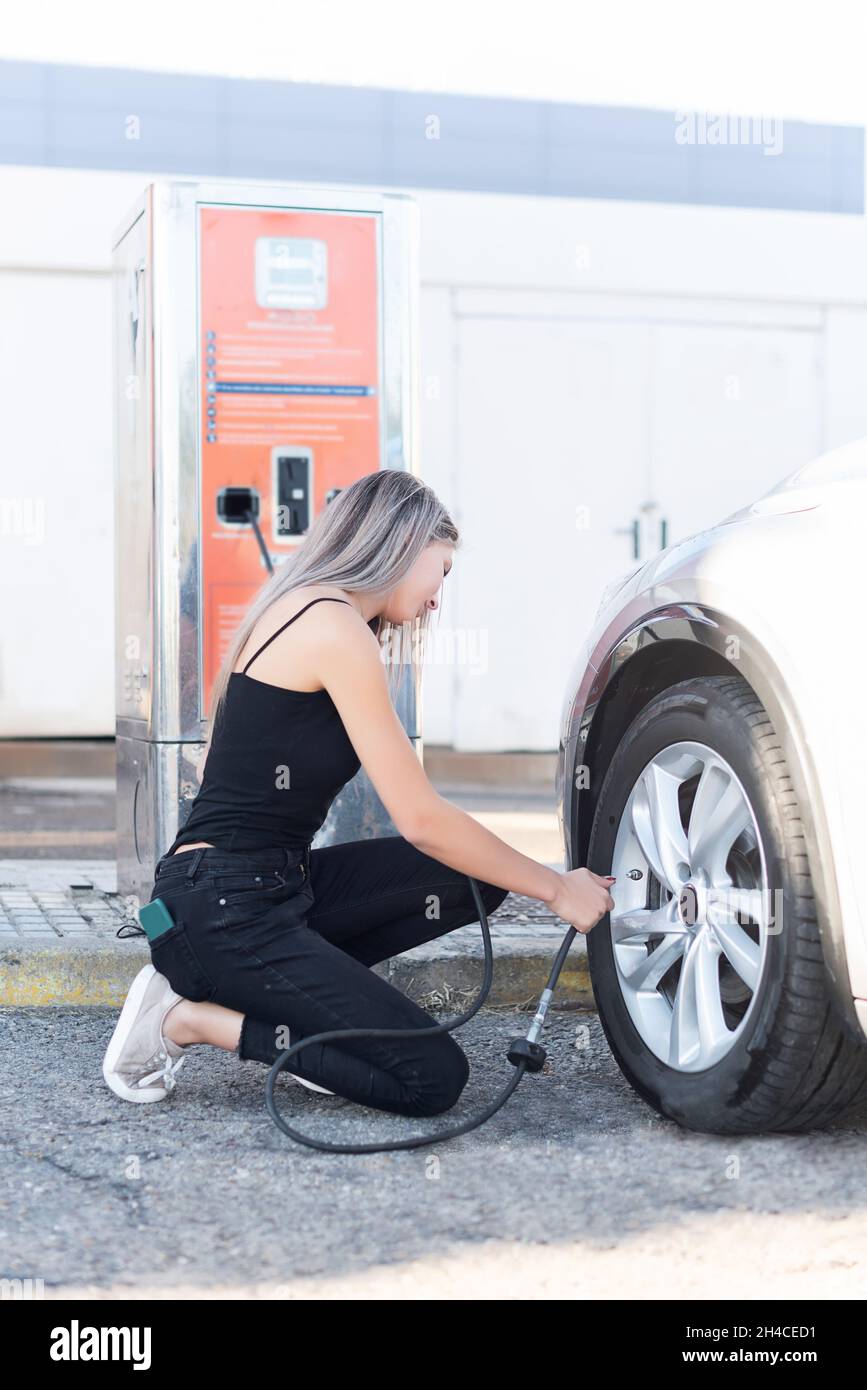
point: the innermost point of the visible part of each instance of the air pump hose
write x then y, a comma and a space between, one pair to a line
524, 1053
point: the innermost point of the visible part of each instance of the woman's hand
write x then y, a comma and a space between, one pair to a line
582, 897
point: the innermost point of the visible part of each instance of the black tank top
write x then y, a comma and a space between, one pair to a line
277, 760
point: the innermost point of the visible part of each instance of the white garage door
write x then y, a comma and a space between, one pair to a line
568, 433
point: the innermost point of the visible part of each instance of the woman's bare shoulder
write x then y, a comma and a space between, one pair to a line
289, 604
280, 664
296, 598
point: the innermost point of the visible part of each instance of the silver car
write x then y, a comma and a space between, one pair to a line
712, 757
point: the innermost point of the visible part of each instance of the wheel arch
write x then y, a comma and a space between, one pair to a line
678, 642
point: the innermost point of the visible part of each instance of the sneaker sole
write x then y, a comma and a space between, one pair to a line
311, 1085
119, 1037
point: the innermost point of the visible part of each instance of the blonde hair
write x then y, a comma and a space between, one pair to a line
366, 539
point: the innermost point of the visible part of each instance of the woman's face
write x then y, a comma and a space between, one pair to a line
419, 588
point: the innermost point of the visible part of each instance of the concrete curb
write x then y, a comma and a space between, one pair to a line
437, 979
101, 972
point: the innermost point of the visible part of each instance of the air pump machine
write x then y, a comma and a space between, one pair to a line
265, 356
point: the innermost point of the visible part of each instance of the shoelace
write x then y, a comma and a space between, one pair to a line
167, 1072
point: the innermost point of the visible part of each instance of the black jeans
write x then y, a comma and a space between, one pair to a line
287, 938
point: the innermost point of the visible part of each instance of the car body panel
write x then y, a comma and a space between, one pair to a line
775, 590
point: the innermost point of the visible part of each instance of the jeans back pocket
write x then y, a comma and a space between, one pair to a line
253, 885
174, 956
243, 898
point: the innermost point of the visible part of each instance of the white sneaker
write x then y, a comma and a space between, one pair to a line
140, 1063
311, 1085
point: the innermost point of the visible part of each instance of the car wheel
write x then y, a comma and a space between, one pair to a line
708, 974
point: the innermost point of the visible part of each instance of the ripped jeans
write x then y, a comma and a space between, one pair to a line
286, 937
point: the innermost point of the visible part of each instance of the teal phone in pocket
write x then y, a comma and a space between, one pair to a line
156, 919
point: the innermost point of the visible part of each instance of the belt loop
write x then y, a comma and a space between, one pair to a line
197, 859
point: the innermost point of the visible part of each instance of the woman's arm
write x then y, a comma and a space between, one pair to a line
348, 661
448, 834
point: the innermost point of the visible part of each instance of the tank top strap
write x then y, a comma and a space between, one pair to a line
323, 598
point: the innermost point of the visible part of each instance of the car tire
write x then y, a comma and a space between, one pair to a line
792, 1065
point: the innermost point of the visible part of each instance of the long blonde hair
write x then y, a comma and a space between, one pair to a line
366, 539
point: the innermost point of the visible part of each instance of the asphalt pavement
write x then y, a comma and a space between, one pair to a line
576, 1189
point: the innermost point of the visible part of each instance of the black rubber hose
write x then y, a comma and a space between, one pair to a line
419, 1140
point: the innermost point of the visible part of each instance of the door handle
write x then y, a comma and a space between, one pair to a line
635, 531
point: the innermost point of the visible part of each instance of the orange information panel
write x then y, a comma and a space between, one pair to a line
290, 361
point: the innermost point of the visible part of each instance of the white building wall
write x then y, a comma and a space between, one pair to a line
580, 361
615, 361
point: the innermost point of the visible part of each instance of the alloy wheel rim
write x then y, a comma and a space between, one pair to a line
691, 914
